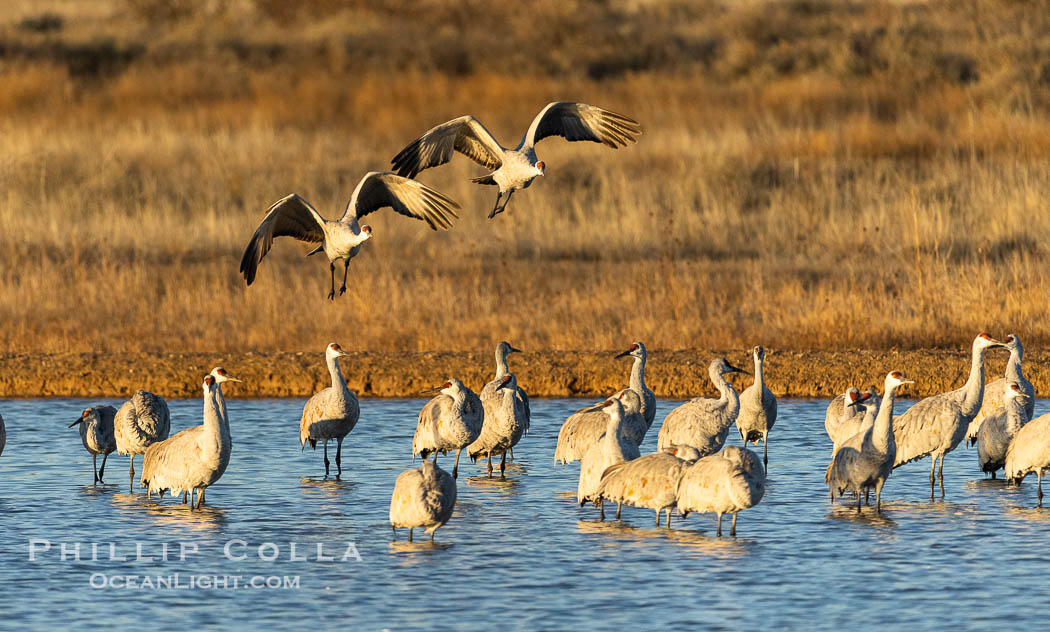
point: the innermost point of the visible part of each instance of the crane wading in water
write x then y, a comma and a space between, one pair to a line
142, 421
704, 423
758, 409
331, 413
936, 425
423, 497
96, 433
292, 216
450, 421
514, 169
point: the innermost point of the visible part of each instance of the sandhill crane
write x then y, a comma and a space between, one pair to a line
96, 433
993, 391
582, 429
612, 447
758, 409
637, 351
141, 421
488, 392
648, 481
505, 419
331, 413
1029, 452
701, 422
841, 409
1001, 426
514, 169
865, 460
726, 482
450, 421
423, 497
936, 425
192, 459
292, 216
220, 375
869, 407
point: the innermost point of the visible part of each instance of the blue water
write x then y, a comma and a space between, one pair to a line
517, 554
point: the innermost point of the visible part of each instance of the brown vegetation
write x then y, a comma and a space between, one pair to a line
814, 174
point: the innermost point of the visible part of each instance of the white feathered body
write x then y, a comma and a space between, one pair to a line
448, 423
649, 481
582, 429
726, 482
611, 448
194, 458
141, 421
423, 497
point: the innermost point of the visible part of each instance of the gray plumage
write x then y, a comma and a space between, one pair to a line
505, 420
1029, 452
865, 460
839, 411
293, 216
993, 391
1000, 427
514, 169
582, 429
702, 422
726, 482
423, 497
649, 481
758, 409
332, 412
936, 425
141, 421
612, 447
192, 459
96, 433
450, 421
504, 349
868, 405
638, 352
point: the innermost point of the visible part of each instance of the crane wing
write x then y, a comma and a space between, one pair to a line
579, 121
291, 216
380, 189
464, 134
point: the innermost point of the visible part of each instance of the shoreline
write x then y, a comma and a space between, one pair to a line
545, 374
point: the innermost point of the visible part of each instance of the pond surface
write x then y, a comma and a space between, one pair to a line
517, 554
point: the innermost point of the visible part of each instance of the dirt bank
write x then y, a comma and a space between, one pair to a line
677, 374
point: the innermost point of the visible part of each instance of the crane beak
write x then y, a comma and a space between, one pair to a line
430, 391
593, 409
622, 354
513, 350
503, 385
861, 400
77, 422
733, 369
233, 379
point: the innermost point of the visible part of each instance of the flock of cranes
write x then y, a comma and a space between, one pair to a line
692, 470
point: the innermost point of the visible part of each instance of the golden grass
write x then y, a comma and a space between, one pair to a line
812, 174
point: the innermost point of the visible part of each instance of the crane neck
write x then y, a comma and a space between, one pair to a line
729, 396
212, 417
1013, 365
974, 388
759, 375
638, 376
882, 431
501, 363
613, 426
338, 383
1016, 416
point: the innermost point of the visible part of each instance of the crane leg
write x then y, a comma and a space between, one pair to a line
495, 209
718, 530
410, 534
940, 475
932, 466
331, 274
658, 516
102, 470
993, 475
1039, 480
455, 466
732, 527
338, 458
184, 496
490, 465
327, 463
859, 494
131, 476
602, 507
668, 517
867, 496
765, 456
503, 466
346, 270
511, 450
878, 496
500, 207
200, 497
619, 506
432, 535
394, 529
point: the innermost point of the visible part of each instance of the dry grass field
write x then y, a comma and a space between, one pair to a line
813, 174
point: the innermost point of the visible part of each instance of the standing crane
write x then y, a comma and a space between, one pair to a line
1001, 426
96, 433
293, 216
865, 460
648, 481
936, 425
514, 169
637, 351
993, 391
141, 421
423, 497
506, 417
726, 482
450, 421
192, 459
701, 422
488, 392
1030, 452
611, 448
758, 409
331, 413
